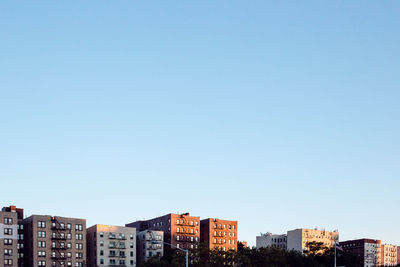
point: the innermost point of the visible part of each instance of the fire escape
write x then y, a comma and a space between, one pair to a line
188, 231
58, 238
153, 244
118, 249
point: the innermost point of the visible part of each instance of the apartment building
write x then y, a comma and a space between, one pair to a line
109, 245
180, 230
149, 244
219, 234
271, 240
388, 255
20, 232
298, 239
54, 241
398, 255
8, 239
366, 250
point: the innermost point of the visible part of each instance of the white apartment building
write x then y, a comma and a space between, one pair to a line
299, 238
111, 246
150, 243
271, 240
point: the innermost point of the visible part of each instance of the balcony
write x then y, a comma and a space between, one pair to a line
58, 248
185, 224
58, 257
58, 238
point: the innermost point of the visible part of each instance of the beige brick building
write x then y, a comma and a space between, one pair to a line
388, 255
54, 241
297, 239
109, 245
8, 239
271, 240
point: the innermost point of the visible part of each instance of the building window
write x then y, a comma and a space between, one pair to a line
42, 234
8, 241
41, 224
8, 231
8, 221
42, 253
8, 252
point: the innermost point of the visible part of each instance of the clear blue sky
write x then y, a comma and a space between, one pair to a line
278, 114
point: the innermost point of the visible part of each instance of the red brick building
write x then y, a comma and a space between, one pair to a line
220, 234
181, 230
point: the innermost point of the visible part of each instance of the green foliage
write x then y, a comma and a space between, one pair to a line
317, 255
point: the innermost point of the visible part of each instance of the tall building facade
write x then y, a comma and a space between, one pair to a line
271, 240
298, 239
20, 232
219, 234
366, 250
111, 246
388, 255
54, 241
150, 244
8, 239
180, 230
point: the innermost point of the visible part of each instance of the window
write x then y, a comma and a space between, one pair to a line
101, 243
177, 229
8, 241
78, 227
41, 263
8, 221
101, 234
8, 231
101, 261
8, 252
42, 234
131, 237
41, 253
8, 262
41, 224
41, 244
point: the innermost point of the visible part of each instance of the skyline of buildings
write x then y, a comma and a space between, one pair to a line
44, 240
